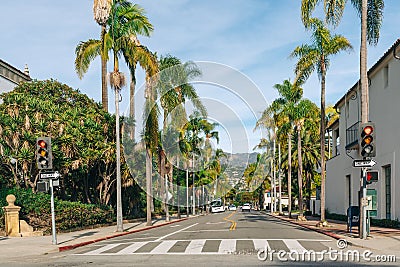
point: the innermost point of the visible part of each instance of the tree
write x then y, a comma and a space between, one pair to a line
83, 140
280, 114
101, 12
371, 14
125, 20
315, 57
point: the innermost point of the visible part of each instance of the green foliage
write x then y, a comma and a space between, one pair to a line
35, 209
82, 139
385, 223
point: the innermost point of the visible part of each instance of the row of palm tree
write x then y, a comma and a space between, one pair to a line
315, 57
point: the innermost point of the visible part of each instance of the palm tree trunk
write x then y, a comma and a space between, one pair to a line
132, 113
322, 137
104, 89
300, 171
148, 186
363, 63
290, 174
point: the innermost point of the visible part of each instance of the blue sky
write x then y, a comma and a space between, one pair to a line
253, 37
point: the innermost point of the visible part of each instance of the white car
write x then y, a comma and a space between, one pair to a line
246, 207
231, 207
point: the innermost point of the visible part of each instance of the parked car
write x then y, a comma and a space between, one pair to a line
246, 207
232, 207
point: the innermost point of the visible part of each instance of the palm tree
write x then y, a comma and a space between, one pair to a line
302, 113
371, 13
174, 89
280, 114
127, 21
316, 57
101, 12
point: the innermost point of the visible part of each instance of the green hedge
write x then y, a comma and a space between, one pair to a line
374, 222
35, 209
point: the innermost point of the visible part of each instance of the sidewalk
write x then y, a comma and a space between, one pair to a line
381, 240
15, 248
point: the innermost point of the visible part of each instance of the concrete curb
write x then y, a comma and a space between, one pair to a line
335, 236
81, 244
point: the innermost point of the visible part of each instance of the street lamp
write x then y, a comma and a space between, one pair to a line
15, 161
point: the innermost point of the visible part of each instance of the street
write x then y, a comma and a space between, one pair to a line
231, 238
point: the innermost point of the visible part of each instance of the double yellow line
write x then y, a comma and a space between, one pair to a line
233, 223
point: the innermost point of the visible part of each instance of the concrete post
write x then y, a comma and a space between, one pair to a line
11, 214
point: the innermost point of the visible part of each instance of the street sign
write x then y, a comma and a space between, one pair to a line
49, 175
363, 163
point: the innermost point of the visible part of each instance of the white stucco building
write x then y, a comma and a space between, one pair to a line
10, 76
343, 180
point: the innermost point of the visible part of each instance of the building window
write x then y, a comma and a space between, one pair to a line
388, 187
386, 76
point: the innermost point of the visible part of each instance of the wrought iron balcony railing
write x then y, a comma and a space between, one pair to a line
352, 136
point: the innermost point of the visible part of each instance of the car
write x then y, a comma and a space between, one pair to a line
246, 207
232, 207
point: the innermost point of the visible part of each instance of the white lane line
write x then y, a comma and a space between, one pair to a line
195, 246
176, 225
102, 249
132, 248
227, 246
215, 222
294, 245
261, 244
183, 229
163, 247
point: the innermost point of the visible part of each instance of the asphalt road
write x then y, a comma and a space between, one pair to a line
225, 239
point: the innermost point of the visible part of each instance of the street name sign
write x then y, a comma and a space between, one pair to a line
363, 163
49, 175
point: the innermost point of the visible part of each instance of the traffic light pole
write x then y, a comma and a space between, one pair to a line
53, 216
363, 211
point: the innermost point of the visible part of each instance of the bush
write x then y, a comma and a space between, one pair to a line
35, 209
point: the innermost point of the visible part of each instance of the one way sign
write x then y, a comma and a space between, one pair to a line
363, 163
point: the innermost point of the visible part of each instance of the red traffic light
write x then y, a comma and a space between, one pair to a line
367, 140
43, 153
42, 143
368, 130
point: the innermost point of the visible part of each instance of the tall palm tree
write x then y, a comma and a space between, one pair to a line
174, 89
315, 57
101, 12
127, 21
371, 14
280, 114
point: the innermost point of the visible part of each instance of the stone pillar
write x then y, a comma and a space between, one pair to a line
11, 214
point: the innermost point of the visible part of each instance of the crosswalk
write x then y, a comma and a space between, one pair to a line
207, 246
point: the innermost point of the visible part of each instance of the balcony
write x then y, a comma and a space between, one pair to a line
352, 136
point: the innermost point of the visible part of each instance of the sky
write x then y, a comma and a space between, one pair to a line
243, 47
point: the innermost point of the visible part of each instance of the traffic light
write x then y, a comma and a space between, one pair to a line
44, 156
367, 140
372, 176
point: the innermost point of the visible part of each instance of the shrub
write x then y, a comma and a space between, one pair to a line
35, 209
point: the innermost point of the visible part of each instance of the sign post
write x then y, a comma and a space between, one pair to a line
53, 181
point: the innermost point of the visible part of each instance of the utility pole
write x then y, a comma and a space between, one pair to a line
273, 160
118, 148
280, 179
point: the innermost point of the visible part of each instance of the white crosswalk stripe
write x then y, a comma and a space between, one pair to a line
294, 245
195, 247
132, 248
